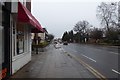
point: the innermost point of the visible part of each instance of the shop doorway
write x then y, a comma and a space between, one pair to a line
5, 44
3, 62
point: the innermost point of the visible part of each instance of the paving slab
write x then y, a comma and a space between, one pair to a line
53, 63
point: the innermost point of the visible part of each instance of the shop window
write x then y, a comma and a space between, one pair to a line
13, 36
26, 39
1, 45
20, 39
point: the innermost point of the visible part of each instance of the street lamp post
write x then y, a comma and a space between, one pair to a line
119, 14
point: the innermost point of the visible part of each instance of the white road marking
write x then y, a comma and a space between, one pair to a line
114, 53
75, 51
89, 58
115, 71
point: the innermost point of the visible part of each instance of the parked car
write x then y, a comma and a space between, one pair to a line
65, 43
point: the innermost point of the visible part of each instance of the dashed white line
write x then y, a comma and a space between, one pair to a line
114, 53
89, 58
75, 51
115, 71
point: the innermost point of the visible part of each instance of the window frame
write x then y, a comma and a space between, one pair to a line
20, 38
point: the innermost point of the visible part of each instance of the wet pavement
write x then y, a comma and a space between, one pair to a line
53, 63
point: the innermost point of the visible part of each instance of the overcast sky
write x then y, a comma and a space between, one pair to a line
58, 16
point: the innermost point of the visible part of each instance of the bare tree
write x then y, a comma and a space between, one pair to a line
82, 30
81, 26
107, 13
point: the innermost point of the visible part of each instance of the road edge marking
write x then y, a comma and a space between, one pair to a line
92, 70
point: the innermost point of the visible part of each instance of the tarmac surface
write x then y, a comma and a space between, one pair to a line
53, 63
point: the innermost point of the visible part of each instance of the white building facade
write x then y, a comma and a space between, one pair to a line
15, 41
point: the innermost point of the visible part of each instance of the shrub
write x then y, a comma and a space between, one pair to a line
43, 44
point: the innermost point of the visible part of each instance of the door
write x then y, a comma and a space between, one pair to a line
1, 49
5, 44
3, 62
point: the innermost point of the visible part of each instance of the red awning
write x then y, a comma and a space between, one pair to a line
25, 16
35, 30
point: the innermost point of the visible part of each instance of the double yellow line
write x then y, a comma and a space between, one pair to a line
92, 70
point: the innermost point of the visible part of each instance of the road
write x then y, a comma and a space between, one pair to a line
101, 58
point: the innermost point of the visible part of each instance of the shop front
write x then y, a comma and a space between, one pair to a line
21, 47
4, 40
21, 37
15, 37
